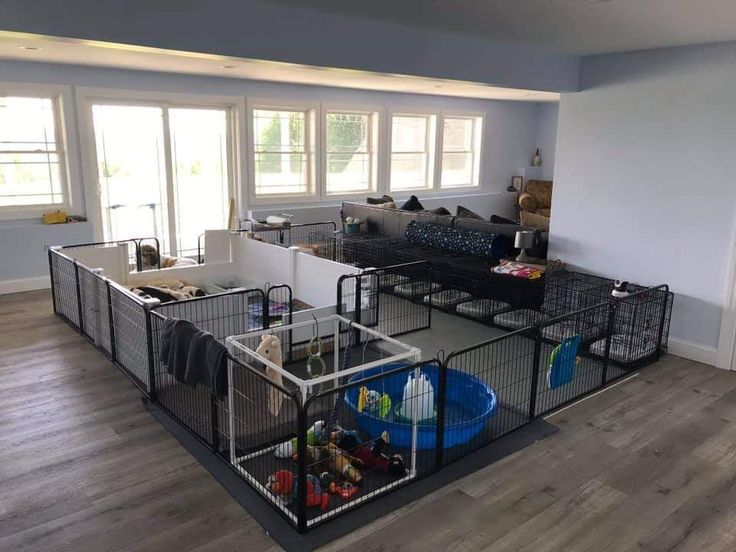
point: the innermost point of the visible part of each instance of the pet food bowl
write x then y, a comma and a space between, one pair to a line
470, 403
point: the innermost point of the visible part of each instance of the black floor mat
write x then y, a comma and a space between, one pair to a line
287, 537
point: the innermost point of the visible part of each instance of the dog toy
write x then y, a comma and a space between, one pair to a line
270, 349
373, 457
362, 398
283, 483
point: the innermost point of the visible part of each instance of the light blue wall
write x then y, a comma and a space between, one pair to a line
510, 130
22, 246
267, 30
547, 138
643, 184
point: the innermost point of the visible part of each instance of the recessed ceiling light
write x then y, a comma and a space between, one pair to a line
31, 48
227, 66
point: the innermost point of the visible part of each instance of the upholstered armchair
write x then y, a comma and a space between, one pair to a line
535, 204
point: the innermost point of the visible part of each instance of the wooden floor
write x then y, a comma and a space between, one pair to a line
648, 465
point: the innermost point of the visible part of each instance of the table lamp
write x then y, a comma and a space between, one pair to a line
524, 240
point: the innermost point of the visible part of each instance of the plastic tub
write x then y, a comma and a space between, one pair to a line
470, 403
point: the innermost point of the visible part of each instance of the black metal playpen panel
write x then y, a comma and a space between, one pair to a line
582, 340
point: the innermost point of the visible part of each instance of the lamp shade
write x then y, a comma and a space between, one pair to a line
524, 239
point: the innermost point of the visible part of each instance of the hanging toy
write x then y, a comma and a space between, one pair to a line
362, 398
384, 406
316, 366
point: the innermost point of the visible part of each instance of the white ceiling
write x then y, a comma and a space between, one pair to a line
580, 27
28, 47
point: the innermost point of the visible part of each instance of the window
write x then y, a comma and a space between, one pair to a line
412, 148
282, 152
32, 171
350, 152
163, 172
460, 152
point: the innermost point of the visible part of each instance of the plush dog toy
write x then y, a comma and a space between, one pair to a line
284, 483
373, 457
270, 348
334, 460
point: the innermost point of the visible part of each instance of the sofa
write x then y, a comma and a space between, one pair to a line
535, 204
393, 222
461, 251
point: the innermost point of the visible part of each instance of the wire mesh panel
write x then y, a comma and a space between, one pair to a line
221, 315
373, 433
64, 282
257, 432
317, 238
488, 390
131, 336
90, 307
566, 370
640, 327
391, 299
340, 375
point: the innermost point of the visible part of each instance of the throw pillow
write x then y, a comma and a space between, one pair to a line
379, 200
495, 219
412, 204
464, 212
440, 211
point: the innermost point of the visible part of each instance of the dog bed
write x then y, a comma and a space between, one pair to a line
412, 289
482, 308
517, 319
570, 328
447, 298
625, 348
388, 281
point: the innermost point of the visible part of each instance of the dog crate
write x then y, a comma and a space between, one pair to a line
285, 419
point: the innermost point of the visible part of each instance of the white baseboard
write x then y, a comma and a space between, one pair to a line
692, 351
24, 284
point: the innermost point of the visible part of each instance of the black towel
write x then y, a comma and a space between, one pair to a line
177, 347
207, 363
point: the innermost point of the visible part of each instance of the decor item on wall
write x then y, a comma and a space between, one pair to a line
517, 182
537, 159
524, 240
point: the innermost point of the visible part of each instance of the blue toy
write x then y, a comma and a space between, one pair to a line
562, 363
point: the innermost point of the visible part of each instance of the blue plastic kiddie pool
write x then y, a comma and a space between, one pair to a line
470, 403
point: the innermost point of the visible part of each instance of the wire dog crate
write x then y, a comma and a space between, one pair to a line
309, 407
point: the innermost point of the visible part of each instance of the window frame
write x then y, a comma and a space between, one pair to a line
478, 139
67, 147
312, 130
87, 98
432, 141
374, 138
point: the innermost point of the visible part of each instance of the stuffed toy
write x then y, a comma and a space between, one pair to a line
341, 463
283, 483
270, 348
334, 460
373, 457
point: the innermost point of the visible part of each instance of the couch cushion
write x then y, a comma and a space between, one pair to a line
457, 240
535, 221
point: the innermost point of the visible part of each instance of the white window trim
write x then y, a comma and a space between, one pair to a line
67, 142
478, 158
432, 143
377, 121
87, 97
313, 130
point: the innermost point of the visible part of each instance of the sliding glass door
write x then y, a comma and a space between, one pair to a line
163, 172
